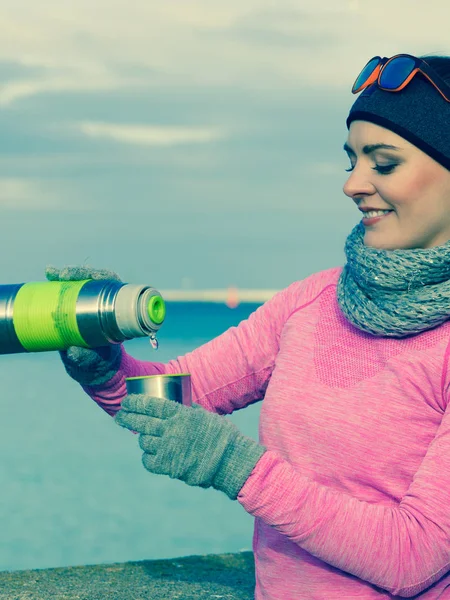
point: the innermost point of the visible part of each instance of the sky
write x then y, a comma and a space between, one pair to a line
187, 144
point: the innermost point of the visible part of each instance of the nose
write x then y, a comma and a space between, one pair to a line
358, 184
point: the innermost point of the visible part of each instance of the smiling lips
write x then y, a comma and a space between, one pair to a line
370, 208
375, 216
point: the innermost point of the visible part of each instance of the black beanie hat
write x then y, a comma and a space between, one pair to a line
418, 113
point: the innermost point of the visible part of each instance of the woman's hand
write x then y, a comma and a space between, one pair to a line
90, 367
190, 443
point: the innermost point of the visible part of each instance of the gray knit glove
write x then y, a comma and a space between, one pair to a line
190, 443
88, 367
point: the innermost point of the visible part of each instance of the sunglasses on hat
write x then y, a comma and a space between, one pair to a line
393, 74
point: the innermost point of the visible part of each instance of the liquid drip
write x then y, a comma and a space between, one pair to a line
154, 342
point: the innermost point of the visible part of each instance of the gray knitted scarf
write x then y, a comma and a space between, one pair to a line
394, 293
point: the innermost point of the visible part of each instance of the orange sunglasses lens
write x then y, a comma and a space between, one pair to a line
368, 75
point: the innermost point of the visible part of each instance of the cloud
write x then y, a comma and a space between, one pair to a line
11, 70
147, 135
293, 27
55, 80
20, 194
203, 44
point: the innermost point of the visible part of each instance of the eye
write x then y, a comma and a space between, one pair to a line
351, 167
384, 169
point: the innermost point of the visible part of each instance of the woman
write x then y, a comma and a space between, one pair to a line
350, 483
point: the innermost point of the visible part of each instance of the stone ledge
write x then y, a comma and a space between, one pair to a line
213, 576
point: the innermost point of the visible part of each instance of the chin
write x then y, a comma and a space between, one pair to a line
376, 241
372, 240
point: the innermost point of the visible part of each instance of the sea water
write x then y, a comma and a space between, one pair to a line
73, 488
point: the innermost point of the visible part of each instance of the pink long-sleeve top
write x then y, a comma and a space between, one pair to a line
352, 497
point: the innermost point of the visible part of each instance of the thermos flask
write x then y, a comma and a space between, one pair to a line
53, 315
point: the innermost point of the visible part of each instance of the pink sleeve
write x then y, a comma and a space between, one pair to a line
110, 395
403, 548
229, 372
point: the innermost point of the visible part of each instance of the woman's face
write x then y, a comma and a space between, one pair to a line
400, 178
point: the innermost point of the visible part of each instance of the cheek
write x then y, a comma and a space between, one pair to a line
418, 184
422, 184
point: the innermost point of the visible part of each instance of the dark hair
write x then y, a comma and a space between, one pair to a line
440, 64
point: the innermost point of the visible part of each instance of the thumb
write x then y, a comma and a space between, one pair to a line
52, 273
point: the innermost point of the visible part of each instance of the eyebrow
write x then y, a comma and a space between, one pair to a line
370, 148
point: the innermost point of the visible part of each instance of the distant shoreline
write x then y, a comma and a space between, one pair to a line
230, 297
